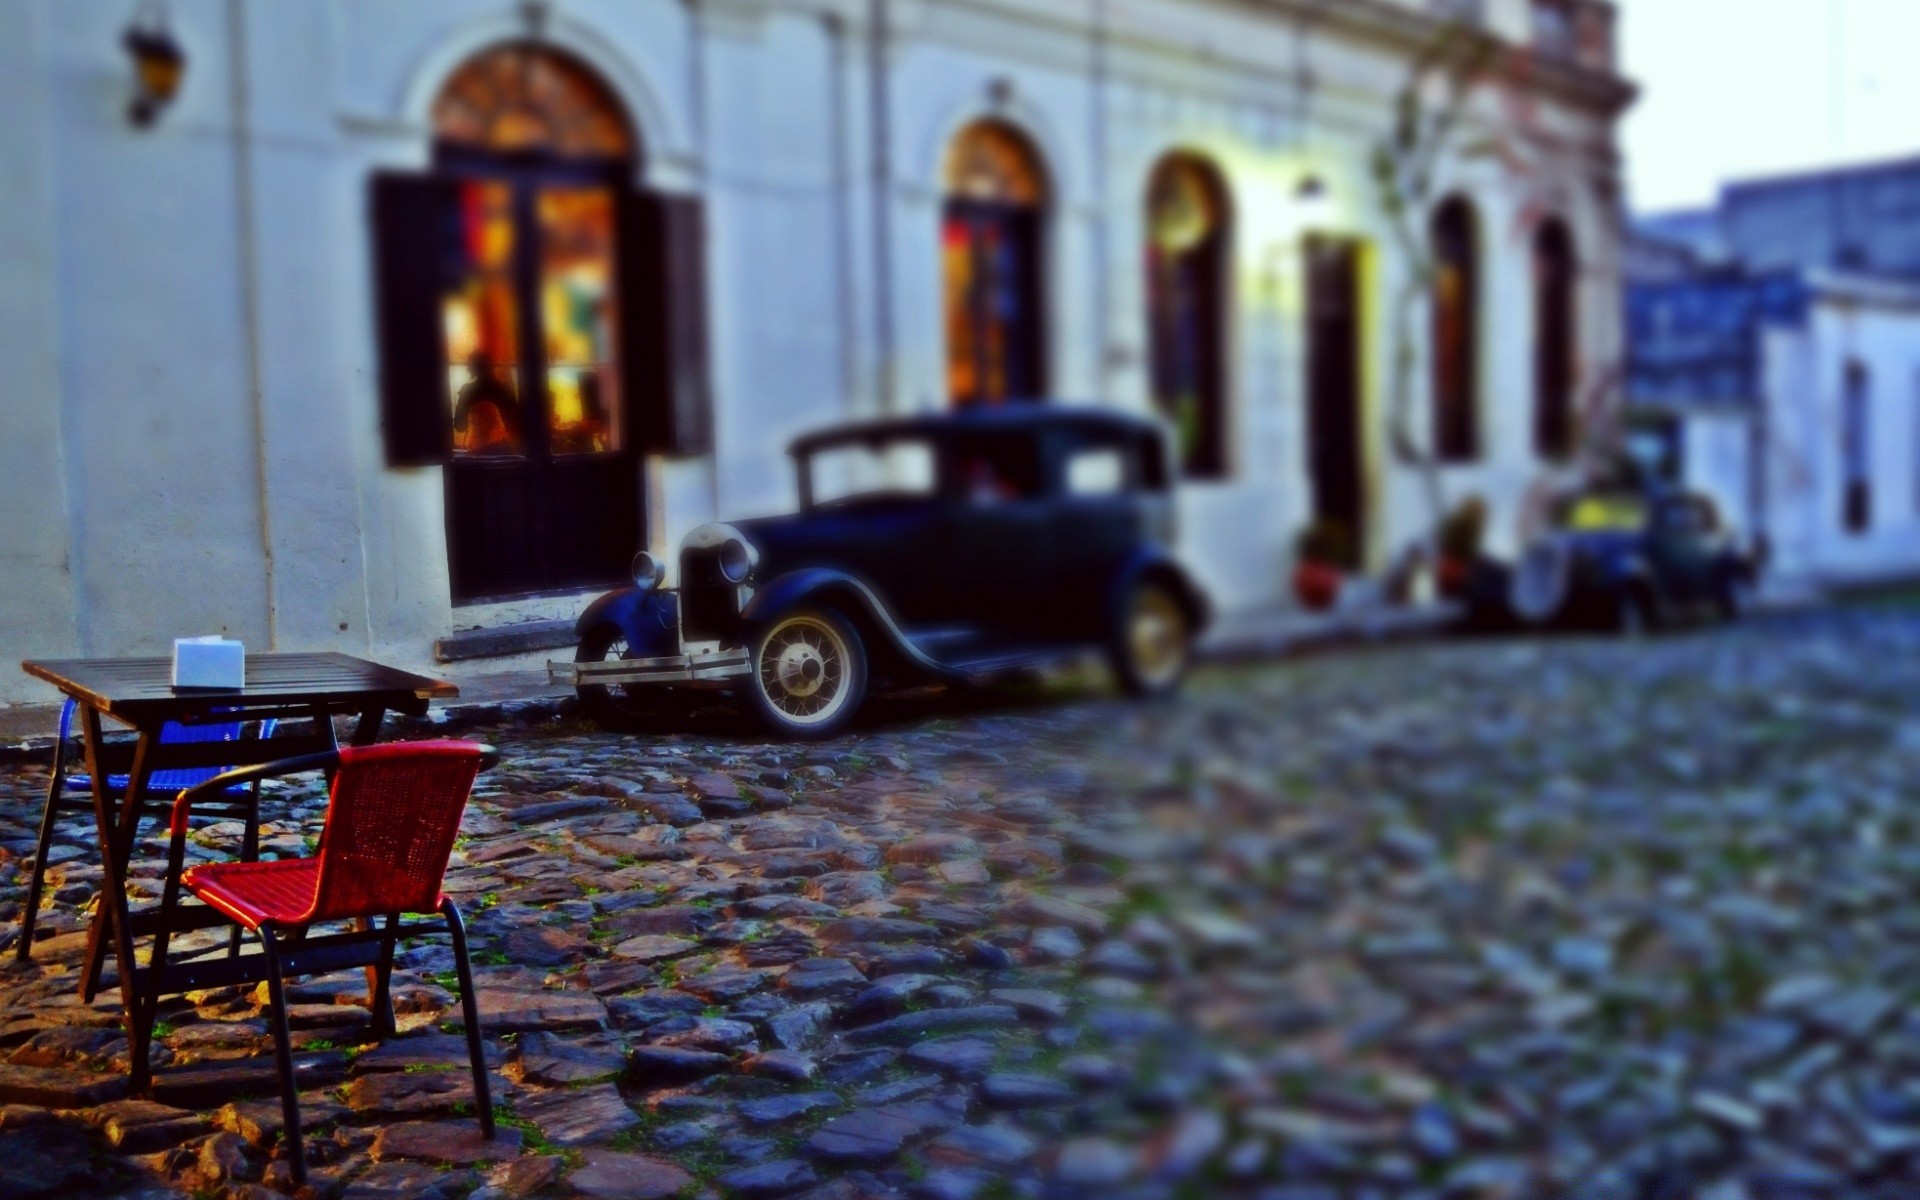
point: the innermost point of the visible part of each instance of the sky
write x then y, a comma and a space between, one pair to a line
1732, 89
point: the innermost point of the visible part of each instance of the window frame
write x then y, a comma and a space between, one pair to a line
526, 174
1456, 241
1210, 457
1856, 448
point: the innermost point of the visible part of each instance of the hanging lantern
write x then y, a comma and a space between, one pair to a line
158, 64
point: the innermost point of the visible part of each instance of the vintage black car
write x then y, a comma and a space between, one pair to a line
948, 547
1631, 559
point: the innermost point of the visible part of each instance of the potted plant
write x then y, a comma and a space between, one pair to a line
1320, 553
1459, 539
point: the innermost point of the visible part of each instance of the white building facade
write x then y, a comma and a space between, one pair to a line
682, 232
1777, 337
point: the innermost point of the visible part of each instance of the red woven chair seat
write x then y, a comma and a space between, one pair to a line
255, 892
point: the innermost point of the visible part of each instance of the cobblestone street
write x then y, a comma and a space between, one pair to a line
1474, 918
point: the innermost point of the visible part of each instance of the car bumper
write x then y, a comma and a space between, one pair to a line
709, 667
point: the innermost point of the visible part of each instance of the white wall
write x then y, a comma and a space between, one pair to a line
190, 311
1879, 327
1718, 461
36, 583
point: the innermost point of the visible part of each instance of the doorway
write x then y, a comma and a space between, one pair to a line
1333, 346
543, 489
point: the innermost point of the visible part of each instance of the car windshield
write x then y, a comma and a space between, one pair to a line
871, 472
1603, 513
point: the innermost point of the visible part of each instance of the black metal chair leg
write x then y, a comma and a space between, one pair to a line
37, 882
283, 1055
470, 1016
380, 999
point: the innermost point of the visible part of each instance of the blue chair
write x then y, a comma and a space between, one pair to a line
72, 792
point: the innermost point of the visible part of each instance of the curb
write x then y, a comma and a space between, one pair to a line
1299, 637
1372, 626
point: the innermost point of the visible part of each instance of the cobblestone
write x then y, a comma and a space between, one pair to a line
1476, 919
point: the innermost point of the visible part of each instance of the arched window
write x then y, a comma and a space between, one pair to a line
538, 146
1456, 332
992, 245
1555, 346
1189, 244
538, 322
520, 98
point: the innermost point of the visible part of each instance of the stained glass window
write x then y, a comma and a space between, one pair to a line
519, 97
991, 248
481, 312
576, 314
992, 161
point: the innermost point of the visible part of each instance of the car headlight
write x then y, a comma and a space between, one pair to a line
648, 571
726, 548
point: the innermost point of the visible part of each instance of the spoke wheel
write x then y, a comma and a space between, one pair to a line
809, 674
1154, 642
612, 704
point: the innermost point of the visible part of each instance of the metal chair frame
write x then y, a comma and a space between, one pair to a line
71, 794
288, 951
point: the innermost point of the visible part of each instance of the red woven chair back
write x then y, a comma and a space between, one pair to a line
391, 822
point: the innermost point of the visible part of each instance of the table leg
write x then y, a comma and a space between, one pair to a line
366, 731
36, 883
112, 921
126, 826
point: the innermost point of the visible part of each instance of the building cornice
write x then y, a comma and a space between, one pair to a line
1411, 31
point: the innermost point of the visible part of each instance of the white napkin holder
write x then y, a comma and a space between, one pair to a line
209, 662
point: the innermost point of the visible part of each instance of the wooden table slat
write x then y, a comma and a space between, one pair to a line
142, 687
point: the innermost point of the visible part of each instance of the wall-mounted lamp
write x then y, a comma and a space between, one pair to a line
158, 64
1313, 201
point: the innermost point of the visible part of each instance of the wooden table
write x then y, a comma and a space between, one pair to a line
138, 692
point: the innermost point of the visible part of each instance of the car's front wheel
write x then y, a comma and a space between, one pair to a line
809, 674
1153, 646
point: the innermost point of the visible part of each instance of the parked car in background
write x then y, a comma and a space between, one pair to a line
1631, 559
947, 547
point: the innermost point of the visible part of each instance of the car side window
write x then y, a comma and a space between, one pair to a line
990, 471
1096, 471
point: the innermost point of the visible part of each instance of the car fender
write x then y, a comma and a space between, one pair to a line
840, 591
1155, 563
648, 618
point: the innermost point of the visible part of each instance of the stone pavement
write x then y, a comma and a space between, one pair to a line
1489, 918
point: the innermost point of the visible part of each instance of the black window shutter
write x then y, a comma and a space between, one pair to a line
409, 225
664, 336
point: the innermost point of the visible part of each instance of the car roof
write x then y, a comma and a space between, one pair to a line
1032, 418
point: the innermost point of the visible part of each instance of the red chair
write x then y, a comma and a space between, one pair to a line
392, 817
